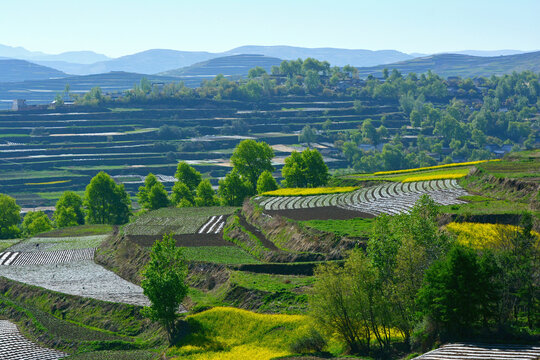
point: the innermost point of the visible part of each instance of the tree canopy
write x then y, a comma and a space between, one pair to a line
9, 217
68, 210
250, 158
106, 201
305, 169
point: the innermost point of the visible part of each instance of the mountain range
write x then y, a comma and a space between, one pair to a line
160, 60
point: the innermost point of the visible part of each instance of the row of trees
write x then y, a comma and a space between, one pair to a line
251, 174
415, 278
104, 202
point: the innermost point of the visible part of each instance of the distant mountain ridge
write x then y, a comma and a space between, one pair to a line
461, 65
79, 57
234, 65
13, 70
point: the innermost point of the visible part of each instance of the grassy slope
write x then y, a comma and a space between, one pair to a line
228, 333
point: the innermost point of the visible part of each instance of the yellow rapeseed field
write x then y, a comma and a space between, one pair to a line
481, 236
469, 163
49, 182
309, 191
228, 333
456, 175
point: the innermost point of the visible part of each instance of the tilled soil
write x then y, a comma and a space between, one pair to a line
320, 213
14, 346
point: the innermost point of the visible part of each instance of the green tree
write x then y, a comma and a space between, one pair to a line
69, 211
9, 217
36, 222
266, 183
305, 169
144, 191
250, 159
181, 195
188, 175
206, 196
157, 197
307, 135
256, 72
454, 292
106, 201
233, 190
164, 283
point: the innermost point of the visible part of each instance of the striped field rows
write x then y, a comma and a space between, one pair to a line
14, 346
214, 225
45, 257
389, 198
483, 352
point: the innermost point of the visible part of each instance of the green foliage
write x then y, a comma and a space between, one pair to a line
106, 202
187, 175
206, 196
312, 342
250, 159
157, 197
233, 190
457, 292
69, 211
164, 283
219, 255
307, 135
181, 195
266, 182
306, 169
35, 222
9, 217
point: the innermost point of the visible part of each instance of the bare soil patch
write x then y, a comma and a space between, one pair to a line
187, 240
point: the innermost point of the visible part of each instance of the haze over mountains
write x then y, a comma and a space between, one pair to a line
160, 60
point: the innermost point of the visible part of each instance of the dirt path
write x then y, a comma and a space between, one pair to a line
14, 346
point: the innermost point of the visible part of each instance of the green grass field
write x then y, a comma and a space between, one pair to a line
82, 230
268, 282
358, 227
174, 220
486, 208
219, 255
4, 244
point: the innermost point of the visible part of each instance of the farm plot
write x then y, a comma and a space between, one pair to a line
481, 352
390, 198
179, 221
82, 278
59, 243
14, 346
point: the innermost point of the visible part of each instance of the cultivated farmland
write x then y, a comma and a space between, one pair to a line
14, 346
390, 198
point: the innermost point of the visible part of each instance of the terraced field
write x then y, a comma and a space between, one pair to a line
483, 352
14, 346
390, 198
70, 270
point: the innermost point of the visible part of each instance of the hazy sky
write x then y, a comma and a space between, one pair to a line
120, 27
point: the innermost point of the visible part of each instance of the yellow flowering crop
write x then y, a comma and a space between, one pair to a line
309, 191
480, 235
469, 163
49, 182
434, 177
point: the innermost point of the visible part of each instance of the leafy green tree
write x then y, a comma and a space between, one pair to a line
69, 211
164, 283
455, 290
36, 222
206, 196
305, 169
250, 159
9, 217
293, 171
157, 197
106, 201
266, 182
256, 72
144, 191
307, 135
233, 190
312, 82
369, 133
181, 195
65, 217
188, 175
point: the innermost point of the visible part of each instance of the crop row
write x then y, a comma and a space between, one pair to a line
481, 352
214, 225
390, 198
45, 257
14, 346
